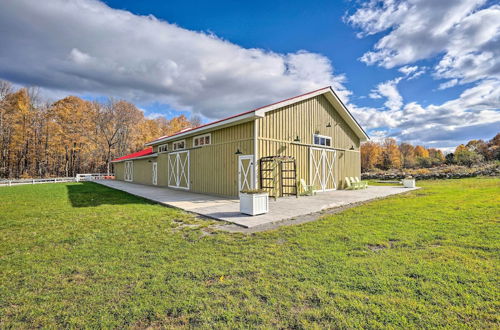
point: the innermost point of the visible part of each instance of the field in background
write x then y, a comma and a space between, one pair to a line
83, 255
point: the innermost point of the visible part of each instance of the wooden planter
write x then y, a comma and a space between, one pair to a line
254, 204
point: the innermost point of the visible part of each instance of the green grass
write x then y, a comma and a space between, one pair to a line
82, 255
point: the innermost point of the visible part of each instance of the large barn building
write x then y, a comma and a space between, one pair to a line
312, 137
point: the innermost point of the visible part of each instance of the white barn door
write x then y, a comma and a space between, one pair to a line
322, 169
129, 171
246, 172
154, 173
178, 169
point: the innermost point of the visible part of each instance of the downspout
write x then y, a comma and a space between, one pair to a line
255, 153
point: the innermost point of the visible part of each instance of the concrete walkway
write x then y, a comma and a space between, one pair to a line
227, 209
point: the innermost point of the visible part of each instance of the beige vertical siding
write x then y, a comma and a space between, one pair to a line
119, 169
303, 119
214, 167
143, 170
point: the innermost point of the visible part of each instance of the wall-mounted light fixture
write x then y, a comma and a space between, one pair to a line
352, 148
328, 125
297, 139
238, 152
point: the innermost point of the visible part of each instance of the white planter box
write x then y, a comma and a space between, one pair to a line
409, 183
254, 204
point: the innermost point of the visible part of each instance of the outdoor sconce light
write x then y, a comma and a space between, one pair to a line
297, 139
238, 152
352, 148
328, 125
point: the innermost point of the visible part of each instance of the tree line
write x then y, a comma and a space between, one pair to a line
390, 155
71, 135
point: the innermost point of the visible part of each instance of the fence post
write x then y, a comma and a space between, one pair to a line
32, 181
10, 183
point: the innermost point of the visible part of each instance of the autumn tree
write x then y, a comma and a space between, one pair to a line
421, 152
494, 147
371, 155
407, 155
465, 156
391, 156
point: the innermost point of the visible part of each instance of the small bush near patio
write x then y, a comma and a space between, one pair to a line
83, 255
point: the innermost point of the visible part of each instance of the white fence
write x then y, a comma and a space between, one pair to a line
78, 178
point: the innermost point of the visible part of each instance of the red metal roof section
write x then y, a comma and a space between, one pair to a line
238, 115
145, 152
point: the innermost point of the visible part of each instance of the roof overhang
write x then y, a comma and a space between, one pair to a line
134, 158
231, 121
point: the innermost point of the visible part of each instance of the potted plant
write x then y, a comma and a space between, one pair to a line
254, 201
409, 182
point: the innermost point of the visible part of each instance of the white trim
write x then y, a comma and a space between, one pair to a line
322, 136
178, 169
163, 145
256, 153
176, 149
203, 136
140, 157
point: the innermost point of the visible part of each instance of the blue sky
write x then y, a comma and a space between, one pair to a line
421, 71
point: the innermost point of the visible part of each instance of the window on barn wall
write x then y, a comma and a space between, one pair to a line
321, 140
201, 140
163, 148
179, 145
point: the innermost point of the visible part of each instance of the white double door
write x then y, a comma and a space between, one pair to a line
322, 169
178, 169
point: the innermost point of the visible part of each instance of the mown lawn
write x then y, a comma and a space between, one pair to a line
82, 255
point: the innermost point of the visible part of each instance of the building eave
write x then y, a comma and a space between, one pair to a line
135, 158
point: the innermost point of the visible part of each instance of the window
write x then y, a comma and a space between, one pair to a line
321, 140
163, 148
202, 140
179, 145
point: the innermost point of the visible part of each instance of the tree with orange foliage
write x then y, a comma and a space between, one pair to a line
371, 155
421, 152
391, 156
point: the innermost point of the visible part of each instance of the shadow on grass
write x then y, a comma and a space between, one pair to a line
89, 194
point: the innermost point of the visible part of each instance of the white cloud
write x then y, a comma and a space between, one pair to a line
466, 34
448, 84
389, 90
407, 70
86, 47
473, 114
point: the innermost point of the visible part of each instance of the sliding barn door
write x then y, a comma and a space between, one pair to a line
178, 169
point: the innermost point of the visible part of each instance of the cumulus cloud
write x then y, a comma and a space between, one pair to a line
464, 37
466, 33
86, 47
389, 90
473, 114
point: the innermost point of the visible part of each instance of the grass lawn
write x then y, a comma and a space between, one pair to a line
83, 255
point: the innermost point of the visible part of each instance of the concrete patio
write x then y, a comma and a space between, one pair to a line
227, 209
